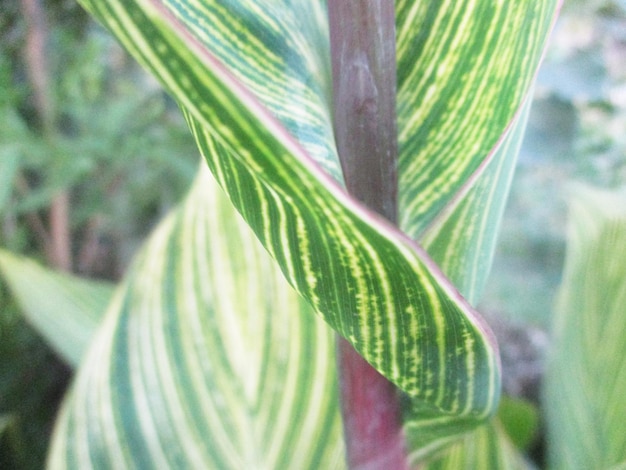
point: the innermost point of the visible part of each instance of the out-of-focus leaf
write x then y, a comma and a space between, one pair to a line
206, 359
520, 420
488, 447
65, 309
585, 379
8, 168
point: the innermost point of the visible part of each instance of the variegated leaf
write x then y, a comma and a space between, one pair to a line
206, 359
464, 70
585, 379
253, 80
487, 447
461, 239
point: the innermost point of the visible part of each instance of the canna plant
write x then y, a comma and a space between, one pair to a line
217, 350
585, 381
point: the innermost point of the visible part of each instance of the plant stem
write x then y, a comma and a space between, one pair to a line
57, 248
362, 37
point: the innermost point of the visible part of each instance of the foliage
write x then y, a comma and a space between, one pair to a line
379, 276
575, 132
99, 95
174, 350
245, 378
585, 385
82, 302
111, 134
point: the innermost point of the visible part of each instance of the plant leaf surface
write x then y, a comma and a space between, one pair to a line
486, 447
585, 380
464, 71
462, 238
206, 359
65, 309
252, 78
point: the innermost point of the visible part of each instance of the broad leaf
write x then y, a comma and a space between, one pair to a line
520, 419
585, 380
253, 80
63, 308
206, 359
464, 70
461, 239
488, 447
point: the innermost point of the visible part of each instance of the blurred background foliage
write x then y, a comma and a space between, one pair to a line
92, 154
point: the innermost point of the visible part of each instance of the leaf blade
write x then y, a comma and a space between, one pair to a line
197, 366
462, 238
318, 234
485, 447
464, 71
368, 280
65, 309
585, 383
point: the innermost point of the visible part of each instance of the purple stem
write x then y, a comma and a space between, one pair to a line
362, 37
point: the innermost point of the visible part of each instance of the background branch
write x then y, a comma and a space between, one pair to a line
58, 246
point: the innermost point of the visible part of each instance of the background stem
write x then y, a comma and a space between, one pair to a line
362, 35
58, 241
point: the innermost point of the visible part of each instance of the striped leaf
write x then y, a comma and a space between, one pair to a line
490, 446
461, 239
65, 309
487, 447
252, 78
464, 69
206, 359
585, 379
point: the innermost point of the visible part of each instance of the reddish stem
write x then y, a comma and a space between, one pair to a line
372, 419
362, 36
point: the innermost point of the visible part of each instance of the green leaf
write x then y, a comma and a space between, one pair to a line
462, 238
206, 359
464, 70
253, 81
65, 309
8, 168
309, 225
520, 420
487, 447
585, 380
